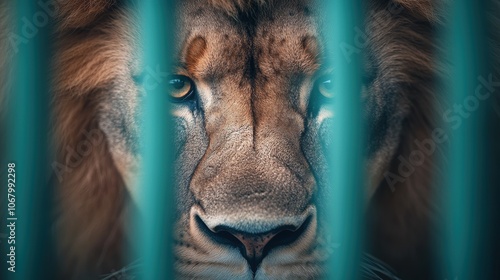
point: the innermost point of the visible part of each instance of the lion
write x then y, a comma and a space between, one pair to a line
247, 86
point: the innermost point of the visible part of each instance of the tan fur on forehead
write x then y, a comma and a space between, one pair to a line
194, 53
232, 7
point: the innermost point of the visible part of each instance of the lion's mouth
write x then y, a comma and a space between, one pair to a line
237, 250
255, 247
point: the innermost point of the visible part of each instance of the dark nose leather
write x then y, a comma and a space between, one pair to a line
254, 244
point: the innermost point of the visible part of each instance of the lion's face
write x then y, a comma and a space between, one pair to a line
252, 113
253, 94
249, 182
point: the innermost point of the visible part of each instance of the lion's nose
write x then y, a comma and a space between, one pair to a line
255, 245
252, 245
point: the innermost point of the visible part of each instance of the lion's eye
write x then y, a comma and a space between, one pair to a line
180, 88
325, 87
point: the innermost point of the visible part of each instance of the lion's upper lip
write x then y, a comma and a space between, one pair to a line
253, 237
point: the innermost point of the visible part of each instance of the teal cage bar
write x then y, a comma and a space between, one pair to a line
154, 224
28, 145
466, 179
344, 205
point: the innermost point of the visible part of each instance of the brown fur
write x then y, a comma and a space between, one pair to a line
421, 8
194, 53
232, 7
80, 14
91, 195
93, 58
403, 214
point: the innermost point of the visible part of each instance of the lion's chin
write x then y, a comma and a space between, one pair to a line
291, 270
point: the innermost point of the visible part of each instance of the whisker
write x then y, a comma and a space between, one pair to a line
120, 273
374, 268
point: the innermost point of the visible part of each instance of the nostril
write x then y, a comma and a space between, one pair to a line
287, 237
254, 246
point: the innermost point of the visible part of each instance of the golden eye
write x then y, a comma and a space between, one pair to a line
180, 88
325, 87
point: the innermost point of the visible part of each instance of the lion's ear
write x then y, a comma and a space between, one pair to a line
79, 14
425, 9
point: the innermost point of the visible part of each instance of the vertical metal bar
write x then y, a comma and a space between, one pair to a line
464, 181
28, 114
345, 158
156, 185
